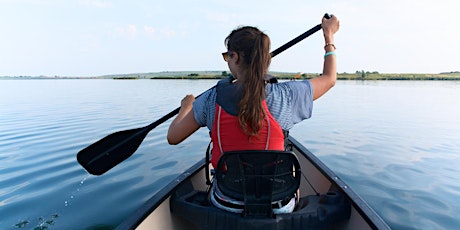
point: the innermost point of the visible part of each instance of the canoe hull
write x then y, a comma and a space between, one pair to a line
317, 178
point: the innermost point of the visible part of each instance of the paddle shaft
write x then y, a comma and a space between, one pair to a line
106, 153
273, 54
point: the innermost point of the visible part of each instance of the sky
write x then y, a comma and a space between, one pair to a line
102, 37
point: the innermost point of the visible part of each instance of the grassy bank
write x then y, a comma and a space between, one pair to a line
280, 75
376, 76
284, 76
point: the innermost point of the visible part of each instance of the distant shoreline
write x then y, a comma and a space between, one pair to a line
359, 75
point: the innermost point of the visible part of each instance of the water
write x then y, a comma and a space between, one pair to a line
397, 144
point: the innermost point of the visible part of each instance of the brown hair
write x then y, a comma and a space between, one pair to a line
253, 48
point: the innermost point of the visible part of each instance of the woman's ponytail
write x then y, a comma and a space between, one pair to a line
253, 47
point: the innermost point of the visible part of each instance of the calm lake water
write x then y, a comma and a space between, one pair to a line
396, 143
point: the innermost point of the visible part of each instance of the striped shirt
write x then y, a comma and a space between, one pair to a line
289, 102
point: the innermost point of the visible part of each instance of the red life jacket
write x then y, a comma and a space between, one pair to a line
226, 133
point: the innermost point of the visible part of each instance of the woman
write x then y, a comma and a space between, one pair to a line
246, 112
288, 102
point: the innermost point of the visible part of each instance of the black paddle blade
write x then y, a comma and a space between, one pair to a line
106, 153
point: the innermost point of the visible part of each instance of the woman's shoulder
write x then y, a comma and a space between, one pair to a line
209, 94
288, 86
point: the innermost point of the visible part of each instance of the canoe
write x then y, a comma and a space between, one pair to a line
343, 209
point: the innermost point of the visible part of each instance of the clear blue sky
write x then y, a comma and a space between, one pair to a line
99, 37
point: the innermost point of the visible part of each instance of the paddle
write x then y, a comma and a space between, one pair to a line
111, 150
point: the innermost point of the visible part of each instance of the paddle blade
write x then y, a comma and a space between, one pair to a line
108, 152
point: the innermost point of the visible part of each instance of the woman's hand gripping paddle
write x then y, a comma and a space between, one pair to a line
111, 150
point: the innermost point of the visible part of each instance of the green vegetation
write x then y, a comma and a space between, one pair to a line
362, 75
358, 75
173, 75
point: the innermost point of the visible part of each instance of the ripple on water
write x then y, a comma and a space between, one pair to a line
165, 165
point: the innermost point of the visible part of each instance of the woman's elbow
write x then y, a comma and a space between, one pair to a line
172, 140
330, 80
333, 81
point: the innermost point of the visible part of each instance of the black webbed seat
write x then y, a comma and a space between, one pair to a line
258, 178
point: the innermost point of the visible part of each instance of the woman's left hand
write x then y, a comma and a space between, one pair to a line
187, 101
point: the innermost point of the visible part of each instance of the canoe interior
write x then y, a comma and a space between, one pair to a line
316, 178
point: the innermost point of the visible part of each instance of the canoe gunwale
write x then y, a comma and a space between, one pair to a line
156, 200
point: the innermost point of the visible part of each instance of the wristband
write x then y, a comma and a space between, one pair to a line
330, 44
329, 53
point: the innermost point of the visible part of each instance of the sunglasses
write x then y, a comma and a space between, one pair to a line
226, 55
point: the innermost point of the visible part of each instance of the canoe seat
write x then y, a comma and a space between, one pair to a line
258, 178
